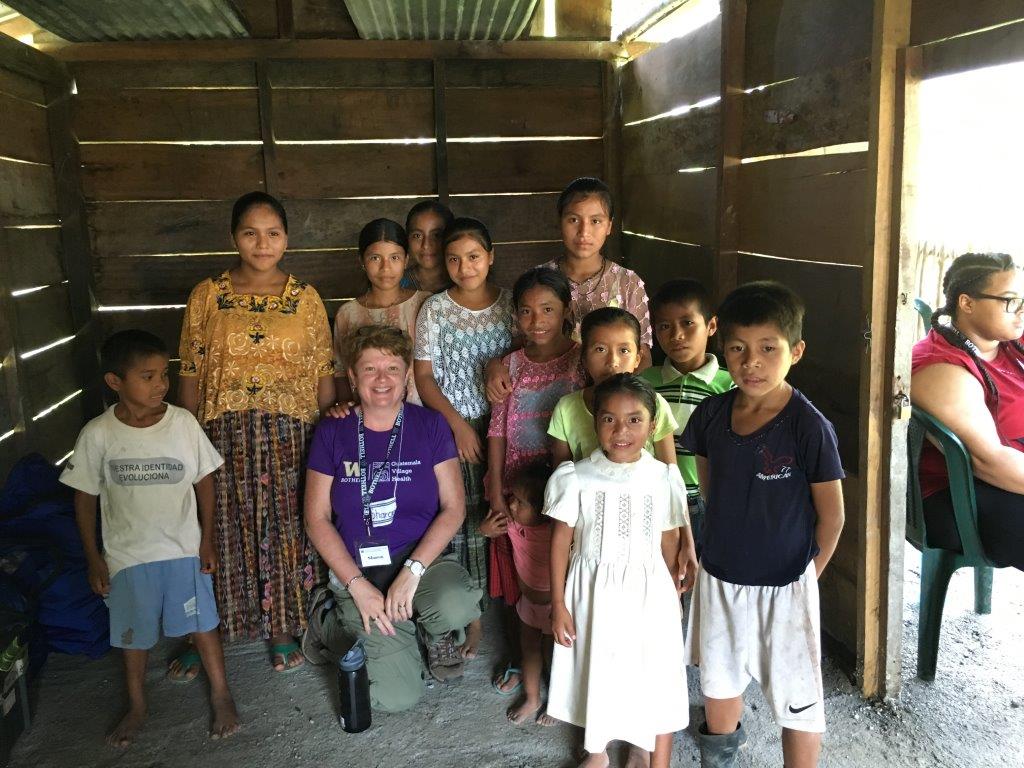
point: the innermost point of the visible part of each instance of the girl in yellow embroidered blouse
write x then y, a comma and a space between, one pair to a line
257, 370
257, 352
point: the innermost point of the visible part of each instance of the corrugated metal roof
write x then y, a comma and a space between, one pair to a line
97, 20
441, 19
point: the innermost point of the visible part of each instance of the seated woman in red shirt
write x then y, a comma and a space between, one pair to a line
969, 373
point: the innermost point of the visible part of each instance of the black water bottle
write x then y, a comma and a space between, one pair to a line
354, 690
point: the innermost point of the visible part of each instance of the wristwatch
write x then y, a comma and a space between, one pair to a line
415, 566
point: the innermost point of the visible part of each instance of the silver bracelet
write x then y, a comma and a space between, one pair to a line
353, 580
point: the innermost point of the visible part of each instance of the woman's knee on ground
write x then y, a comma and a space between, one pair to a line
396, 680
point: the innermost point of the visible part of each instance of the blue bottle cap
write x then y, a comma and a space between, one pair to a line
354, 659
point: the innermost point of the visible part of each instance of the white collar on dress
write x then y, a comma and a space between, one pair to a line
607, 467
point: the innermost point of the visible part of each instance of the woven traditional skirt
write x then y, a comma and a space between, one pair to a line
469, 544
267, 567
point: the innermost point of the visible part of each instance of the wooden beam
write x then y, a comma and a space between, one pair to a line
75, 249
883, 493
234, 50
26, 60
734, 24
440, 132
285, 19
266, 106
13, 378
612, 145
653, 16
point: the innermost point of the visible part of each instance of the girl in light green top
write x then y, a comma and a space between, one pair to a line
611, 344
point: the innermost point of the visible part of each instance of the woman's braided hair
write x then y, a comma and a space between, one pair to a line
967, 273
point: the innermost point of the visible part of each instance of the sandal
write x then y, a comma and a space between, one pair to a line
497, 682
187, 660
284, 650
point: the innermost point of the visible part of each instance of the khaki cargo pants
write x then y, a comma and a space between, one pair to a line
445, 601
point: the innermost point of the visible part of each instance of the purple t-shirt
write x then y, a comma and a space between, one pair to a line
424, 441
760, 519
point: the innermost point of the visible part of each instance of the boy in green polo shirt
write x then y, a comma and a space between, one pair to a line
683, 321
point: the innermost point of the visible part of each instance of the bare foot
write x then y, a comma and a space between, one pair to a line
525, 710
225, 718
125, 732
638, 758
596, 760
546, 720
473, 633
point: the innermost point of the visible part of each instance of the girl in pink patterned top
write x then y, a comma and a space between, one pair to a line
546, 368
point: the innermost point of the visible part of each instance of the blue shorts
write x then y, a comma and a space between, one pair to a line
172, 590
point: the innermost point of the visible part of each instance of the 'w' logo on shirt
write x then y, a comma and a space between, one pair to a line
351, 469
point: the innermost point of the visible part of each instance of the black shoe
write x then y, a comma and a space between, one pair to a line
719, 750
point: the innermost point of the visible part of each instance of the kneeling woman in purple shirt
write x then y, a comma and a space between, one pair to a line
384, 498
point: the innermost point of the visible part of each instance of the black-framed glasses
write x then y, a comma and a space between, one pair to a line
1014, 304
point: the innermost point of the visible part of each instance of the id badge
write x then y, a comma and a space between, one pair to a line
373, 553
382, 512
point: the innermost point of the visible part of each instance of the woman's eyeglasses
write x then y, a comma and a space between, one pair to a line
1014, 304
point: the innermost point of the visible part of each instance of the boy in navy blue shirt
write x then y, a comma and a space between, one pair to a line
770, 473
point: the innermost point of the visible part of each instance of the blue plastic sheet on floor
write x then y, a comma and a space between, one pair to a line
38, 534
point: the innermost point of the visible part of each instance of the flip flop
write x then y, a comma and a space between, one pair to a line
284, 650
187, 659
509, 671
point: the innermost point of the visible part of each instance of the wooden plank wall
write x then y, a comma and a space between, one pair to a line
799, 219
802, 220
167, 147
39, 305
933, 20
669, 179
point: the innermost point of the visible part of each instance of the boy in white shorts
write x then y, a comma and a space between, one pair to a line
770, 472
151, 466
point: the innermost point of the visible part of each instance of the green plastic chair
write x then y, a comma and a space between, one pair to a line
939, 565
925, 312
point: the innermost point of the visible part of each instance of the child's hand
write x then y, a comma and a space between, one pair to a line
687, 568
468, 442
562, 626
498, 381
496, 495
340, 410
207, 556
99, 577
495, 524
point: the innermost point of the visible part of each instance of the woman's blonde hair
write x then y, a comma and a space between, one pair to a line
384, 337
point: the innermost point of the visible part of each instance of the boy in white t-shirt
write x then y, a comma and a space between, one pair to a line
149, 463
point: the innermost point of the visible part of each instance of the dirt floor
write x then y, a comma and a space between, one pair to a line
972, 715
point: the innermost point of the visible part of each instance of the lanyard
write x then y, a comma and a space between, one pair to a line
366, 492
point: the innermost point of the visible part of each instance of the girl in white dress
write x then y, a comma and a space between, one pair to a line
618, 668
